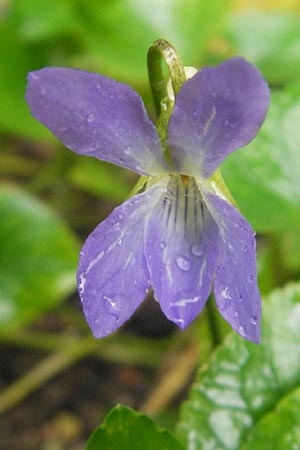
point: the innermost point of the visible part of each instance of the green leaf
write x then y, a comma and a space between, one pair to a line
16, 60
245, 384
280, 429
35, 25
127, 429
270, 40
119, 33
100, 178
38, 259
264, 176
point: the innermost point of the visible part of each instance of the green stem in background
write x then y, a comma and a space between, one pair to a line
214, 327
163, 50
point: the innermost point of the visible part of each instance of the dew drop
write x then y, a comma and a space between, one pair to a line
236, 313
183, 263
116, 226
139, 167
197, 250
245, 247
250, 278
90, 118
127, 149
253, 321
121, 216
112, 306
240, 298
62, 128
226, 293
242, 330
93, 145
162, 244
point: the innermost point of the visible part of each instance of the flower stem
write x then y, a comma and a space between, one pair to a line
162, 49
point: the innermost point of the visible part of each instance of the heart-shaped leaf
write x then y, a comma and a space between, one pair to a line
264, 176
38, 258
239, 395
127, 429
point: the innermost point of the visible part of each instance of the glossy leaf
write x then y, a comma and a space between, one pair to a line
38, 259
127, 429
280, 429
245, 384
264, 176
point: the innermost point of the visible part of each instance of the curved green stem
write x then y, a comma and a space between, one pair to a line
162, 49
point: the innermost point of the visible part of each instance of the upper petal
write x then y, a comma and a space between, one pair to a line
181, 250
94, 115
216, 111
235, 286
112, 275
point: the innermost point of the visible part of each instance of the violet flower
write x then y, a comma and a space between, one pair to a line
182, 235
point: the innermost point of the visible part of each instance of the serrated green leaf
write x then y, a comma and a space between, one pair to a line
243, 382
264, 176
270, 40
279, 430
38, 259
127, 429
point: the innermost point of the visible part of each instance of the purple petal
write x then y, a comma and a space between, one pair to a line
181, 251
94, 115
112, 277
235, 285
217, 111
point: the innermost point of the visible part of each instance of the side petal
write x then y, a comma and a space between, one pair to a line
112, 276
235, 286
216, 111
181, 251
96, 116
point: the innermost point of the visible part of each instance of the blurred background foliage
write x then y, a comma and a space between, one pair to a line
50, 199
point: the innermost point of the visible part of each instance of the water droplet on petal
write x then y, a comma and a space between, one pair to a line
242, 330
253, 320
225, 293
62, 128
250, 278
236, 313
116, 226
197, 250
139, 167
121, 216
183, 263
90, 118
240, 298
163, 244
112, 306
93, 145
245, 247
127, 149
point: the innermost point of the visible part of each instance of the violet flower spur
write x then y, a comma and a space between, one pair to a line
182, 235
